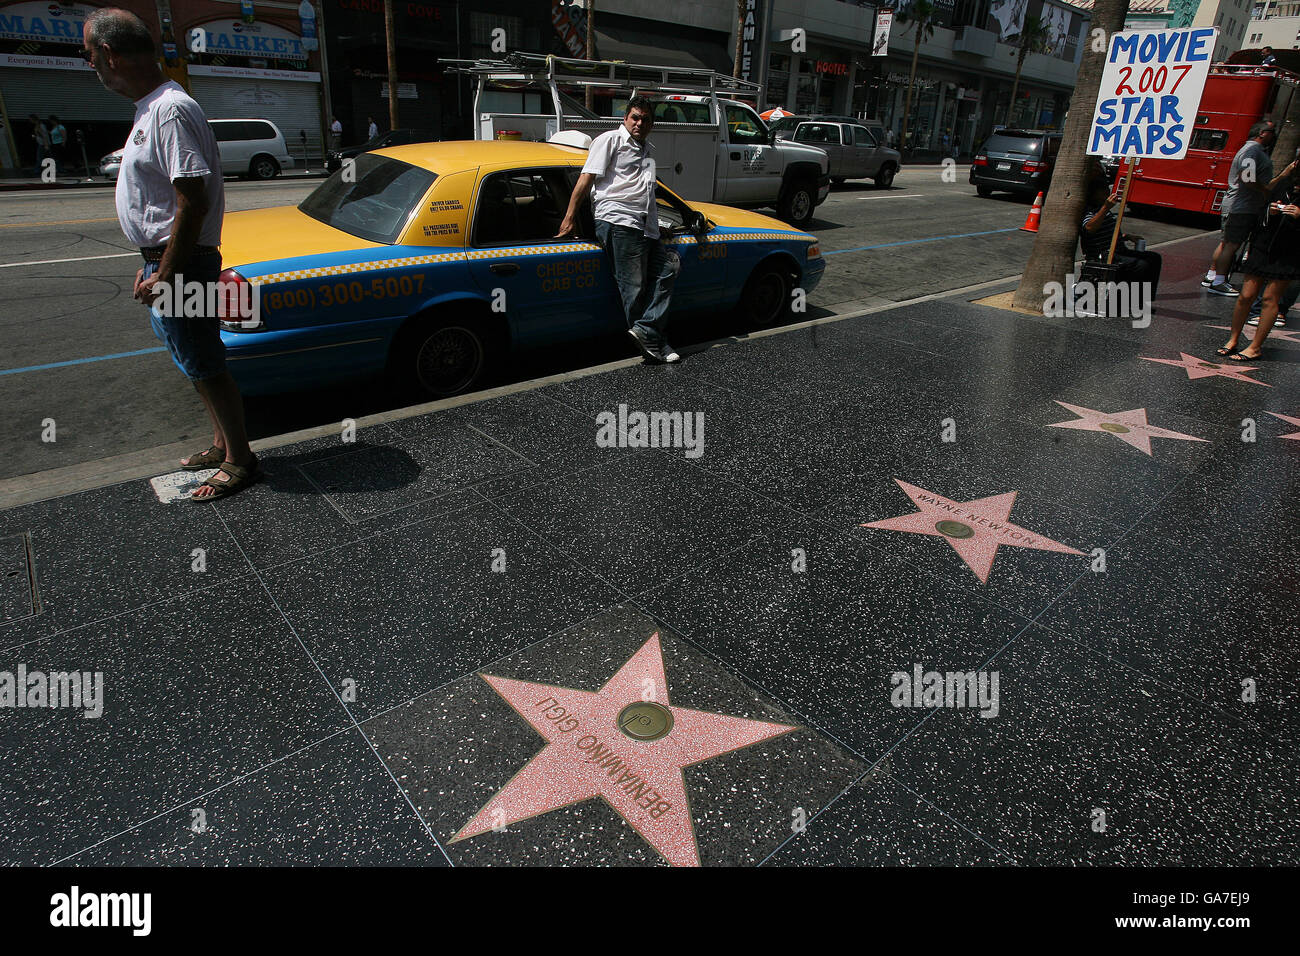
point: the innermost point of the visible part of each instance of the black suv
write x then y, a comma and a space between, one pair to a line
394, 137
1015, 161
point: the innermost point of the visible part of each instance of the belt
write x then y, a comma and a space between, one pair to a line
155, 253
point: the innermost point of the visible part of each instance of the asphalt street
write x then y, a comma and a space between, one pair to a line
65, 297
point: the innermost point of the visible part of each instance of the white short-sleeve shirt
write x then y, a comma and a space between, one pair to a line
169, 140
624, 190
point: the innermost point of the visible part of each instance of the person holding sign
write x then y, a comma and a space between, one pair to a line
1097, 228
1273, 263
1250, 183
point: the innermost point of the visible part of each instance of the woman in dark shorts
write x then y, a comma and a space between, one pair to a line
1274, 261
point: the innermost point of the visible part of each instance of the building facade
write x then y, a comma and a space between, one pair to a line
237, 62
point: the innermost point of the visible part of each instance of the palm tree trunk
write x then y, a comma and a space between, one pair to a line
911, 82
391, 42
1015, 86
740, 29
1052, 257
591, 49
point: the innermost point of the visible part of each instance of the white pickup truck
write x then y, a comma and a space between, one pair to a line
708, 148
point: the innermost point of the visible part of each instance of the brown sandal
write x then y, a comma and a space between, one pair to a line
212, 458
240, 478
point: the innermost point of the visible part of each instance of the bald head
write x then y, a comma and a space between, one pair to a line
121, 31
120, 47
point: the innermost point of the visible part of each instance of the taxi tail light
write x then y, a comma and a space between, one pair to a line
238, 303
980, 161
1032, 167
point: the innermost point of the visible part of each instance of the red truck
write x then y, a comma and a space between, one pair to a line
1237, 95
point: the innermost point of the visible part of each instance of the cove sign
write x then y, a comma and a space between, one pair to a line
1150, 90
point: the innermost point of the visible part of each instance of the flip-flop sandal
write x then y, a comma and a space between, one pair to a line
240, 478
1238, 357
1228, 351
211, 458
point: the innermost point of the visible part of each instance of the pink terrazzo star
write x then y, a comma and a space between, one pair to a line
587, 755
1199, 368
1293, 421
975, 529
1130, 427
1286, 335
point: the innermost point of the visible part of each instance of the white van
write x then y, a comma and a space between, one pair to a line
251, 147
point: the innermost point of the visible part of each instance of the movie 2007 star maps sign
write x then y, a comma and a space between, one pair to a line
1150, 90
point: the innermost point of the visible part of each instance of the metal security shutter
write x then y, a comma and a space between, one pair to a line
289, 105
75, 96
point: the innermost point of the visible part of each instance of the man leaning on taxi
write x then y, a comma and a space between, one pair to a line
620, 175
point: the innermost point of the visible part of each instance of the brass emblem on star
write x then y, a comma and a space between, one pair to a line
955, 529
645, 720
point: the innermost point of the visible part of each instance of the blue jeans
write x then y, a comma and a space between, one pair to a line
645, 272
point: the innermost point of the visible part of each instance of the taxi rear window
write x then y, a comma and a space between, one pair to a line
374, 201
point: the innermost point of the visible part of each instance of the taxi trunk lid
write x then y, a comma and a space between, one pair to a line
283, 232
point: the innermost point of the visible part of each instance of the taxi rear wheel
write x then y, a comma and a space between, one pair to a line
766, 299
441, 357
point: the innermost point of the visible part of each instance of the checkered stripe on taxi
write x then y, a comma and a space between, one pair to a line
532, 250
321, 272
743, 237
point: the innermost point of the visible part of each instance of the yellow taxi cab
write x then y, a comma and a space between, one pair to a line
432, 262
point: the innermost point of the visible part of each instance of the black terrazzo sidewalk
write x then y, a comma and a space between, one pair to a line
316, 695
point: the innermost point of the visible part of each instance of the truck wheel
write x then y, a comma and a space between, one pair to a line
797, 203
885, 178
440, 357
765, 302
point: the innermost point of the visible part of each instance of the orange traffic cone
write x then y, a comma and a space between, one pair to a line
1035, 213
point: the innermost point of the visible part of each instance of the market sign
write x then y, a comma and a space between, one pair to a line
44, 22
1150, 90
235, 38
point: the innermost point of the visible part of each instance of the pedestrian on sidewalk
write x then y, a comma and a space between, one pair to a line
372, 131
58, 140
1284, 305
1250, 182
336, 134
1273, 263
620, 175
41, 136
170, 203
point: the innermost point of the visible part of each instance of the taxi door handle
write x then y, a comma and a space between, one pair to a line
504, 268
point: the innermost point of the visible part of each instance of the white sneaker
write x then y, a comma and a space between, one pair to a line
669, 355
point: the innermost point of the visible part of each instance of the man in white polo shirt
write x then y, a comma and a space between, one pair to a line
170, 203
620, 175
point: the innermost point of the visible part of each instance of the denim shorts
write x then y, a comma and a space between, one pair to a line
194, 342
